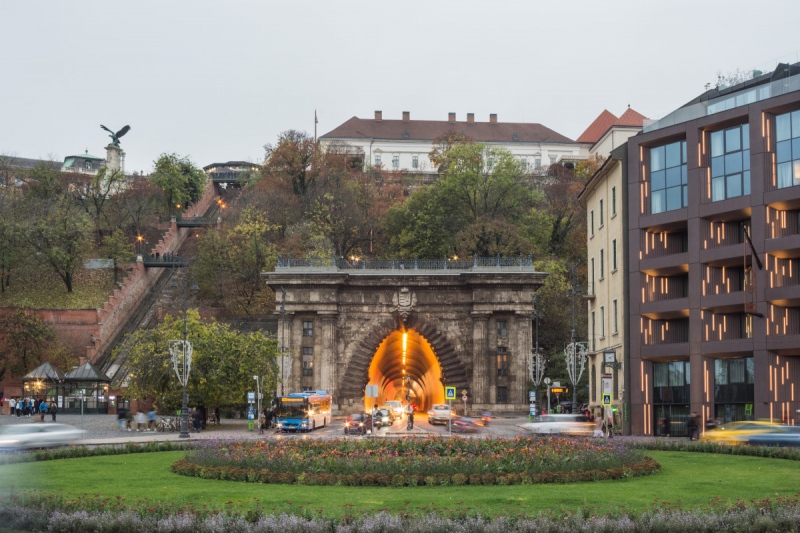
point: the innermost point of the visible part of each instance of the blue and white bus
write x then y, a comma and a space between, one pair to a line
303, 411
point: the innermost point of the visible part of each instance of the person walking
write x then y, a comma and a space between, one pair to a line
12, 406
151, 419
121, 412
693, 425
42, 410
667, 425
53, 411
19, 407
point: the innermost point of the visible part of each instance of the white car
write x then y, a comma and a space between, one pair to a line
566, 424
397, 407
440, 414
26, 436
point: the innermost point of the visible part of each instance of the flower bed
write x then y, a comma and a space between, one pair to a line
410, 462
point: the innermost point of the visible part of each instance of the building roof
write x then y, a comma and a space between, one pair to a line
25, 162
596, 129
232, 164
44, 371
607, 120
86, 372
428, 130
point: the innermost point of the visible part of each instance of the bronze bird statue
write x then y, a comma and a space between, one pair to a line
115, 136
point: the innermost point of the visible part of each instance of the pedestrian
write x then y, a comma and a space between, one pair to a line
667, 425
128, 419
692, 425
42, 410
216, 415
598, 427
151, 419
19, 407
610, 422
53, 411
141, 421
198, 421
121, 412
12, 406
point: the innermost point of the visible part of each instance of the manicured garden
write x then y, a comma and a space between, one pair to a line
124, 491
413, 462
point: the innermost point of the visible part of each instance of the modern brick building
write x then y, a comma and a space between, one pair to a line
714, 319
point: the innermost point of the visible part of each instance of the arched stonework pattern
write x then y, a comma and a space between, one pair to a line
356, 376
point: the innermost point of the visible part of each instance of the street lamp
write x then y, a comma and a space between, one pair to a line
181, 352
283, 334
258, 400
575, 353
537, 364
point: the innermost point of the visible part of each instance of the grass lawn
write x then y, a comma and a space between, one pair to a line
37, 286
691, 480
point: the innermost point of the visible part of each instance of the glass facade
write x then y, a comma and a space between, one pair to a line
671, 398
787, 148
733, 389
668, 177
730, 163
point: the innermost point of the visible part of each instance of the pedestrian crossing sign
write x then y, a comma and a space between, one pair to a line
606, 399
449, 393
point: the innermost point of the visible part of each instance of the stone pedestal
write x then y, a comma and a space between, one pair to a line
115, 158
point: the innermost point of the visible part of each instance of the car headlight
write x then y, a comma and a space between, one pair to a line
360, 424
347, 424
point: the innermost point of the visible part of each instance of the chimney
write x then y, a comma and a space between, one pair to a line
81, 361
378, 115
493, 118
470, 117
451, 117
406, 116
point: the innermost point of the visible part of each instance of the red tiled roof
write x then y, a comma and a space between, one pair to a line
597, 128
427, 130
631, 118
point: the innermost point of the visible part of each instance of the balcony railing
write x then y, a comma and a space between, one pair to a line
662, 288
783, 320
782, 223
662, 243
670, 331
783, 272
360, 263
714, 234
726, 326
722, 280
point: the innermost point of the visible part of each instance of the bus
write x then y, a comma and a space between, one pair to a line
303, 411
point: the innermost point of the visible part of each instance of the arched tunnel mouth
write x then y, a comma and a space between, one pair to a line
405, 367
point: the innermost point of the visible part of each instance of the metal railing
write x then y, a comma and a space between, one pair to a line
405, 264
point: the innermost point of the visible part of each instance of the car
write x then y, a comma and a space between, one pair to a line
27, 436
739, 432
358, 423
463, 424
564, 424
382, 417
392, 414
486, 417
440, 414
397, 408
783, 436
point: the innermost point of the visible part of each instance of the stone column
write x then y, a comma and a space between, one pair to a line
114, 158
480, 357
295, 354
327, 351
520, 354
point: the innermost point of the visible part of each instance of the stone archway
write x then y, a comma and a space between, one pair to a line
431, 363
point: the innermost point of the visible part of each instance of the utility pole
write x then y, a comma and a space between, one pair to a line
283, 335
575, 353
537, 364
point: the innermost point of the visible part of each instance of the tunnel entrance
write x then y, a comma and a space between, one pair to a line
405, 367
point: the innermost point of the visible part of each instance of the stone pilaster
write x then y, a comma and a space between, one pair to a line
480, 357
520, 354
327, 351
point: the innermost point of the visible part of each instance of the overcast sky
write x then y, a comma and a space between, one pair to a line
215, 81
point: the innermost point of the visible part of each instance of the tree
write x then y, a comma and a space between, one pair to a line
24, 337
95, 195
292, 160
181, 181
224, 362
60, 236
118, 248
442, 145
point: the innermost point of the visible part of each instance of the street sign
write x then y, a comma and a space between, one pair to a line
606, 399
464, 398
532, 396
464, 392
605, 386
251, 397
372, 391
449, 393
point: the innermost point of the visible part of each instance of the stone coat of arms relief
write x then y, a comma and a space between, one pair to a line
404, 301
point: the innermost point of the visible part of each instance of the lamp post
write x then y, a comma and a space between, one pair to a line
283, 334
537, 364
181, 352
575, 353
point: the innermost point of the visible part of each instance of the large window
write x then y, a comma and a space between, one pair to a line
414, 161
730, 163
668, 177
502, 328
502, 362
733, 389
395, 162
787, 136
671, 400
308, 361
308, 329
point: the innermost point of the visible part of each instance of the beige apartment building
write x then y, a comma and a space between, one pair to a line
603, 199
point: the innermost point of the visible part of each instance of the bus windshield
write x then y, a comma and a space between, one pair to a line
292, 409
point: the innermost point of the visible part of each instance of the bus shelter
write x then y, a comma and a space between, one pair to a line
85, 390
43, 383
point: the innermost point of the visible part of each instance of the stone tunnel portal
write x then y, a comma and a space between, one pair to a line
405, 367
